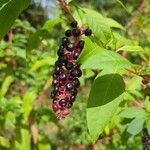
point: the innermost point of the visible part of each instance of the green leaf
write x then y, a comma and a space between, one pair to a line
105, 89
5, 86
25, 139
10, 120
51, 23
9, 13
43, 62
90, 49
131, 48
105, 96
94, 17
104, 59
41, 34
36, 38
136, 125
2, 2
28, 100
68, 1
88, 73
133, 112
146, 71
44, 146
121, 3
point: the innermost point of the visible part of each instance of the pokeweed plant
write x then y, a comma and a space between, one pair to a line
121, 82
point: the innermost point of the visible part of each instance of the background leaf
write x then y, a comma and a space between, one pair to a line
28, 100
133, 112
4, 88
131, 48
11, 11
136, 125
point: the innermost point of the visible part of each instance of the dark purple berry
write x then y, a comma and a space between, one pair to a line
54, 75
76, 73
65, 40
76, 55
58, 63
60, 52
72, 98
76, 32
70, 47
74, 92
77, 82
63, 59
63, 76
74, 24
53, 94
88, 32
69, 86
55, 82
81, 44
70, 104
79, 73
68, 33
63, 102
56, 88
57, 70
69, 65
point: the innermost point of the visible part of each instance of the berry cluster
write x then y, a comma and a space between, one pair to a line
146, 140
67, 70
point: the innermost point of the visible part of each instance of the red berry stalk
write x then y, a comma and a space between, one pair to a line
67, 70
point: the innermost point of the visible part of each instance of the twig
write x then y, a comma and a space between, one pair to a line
138, 104
66, 8
42, 94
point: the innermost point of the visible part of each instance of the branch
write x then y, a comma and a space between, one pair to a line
42, 94
66, 8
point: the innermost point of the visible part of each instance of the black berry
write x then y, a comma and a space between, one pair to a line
69, 86
72, 98
57, 70
62, 102
77, 82
63, 76
56, 88
58, 63
70, 47
65, 40
81, 44
63, 59
60, 52
74, 92
88, 32
68, 33
79, 73
69, 65
55, 82
76, 73
53, 94
74, 24
76, 32
70, 104
76, 55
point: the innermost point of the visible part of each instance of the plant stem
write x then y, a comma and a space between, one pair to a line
66, 8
